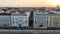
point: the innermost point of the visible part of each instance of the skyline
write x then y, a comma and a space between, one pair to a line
29, 3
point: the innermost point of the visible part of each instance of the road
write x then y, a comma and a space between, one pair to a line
29, 31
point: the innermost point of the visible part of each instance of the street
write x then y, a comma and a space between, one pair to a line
29, 31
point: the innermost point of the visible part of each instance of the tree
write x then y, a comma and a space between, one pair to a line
31, 19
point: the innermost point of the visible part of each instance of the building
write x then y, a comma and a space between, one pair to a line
54, 20
19, 20
49, 20
5, 20
55, 11
41, 19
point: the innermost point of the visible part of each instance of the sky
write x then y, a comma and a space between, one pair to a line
28, 3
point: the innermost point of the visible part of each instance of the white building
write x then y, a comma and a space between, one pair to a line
44, 20
5, 19
19, 20
56, 12
41, 19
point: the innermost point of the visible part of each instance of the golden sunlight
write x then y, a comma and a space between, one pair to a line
54, 2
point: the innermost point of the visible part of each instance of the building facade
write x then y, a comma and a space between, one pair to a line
46, 19
40, 19
54, 20
5, 20
19, 20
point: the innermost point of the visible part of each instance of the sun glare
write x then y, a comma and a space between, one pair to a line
55, 2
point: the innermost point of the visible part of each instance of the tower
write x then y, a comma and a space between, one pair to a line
57, 5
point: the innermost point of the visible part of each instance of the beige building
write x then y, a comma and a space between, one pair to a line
54, 21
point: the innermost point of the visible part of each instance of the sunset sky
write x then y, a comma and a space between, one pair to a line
29, 3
